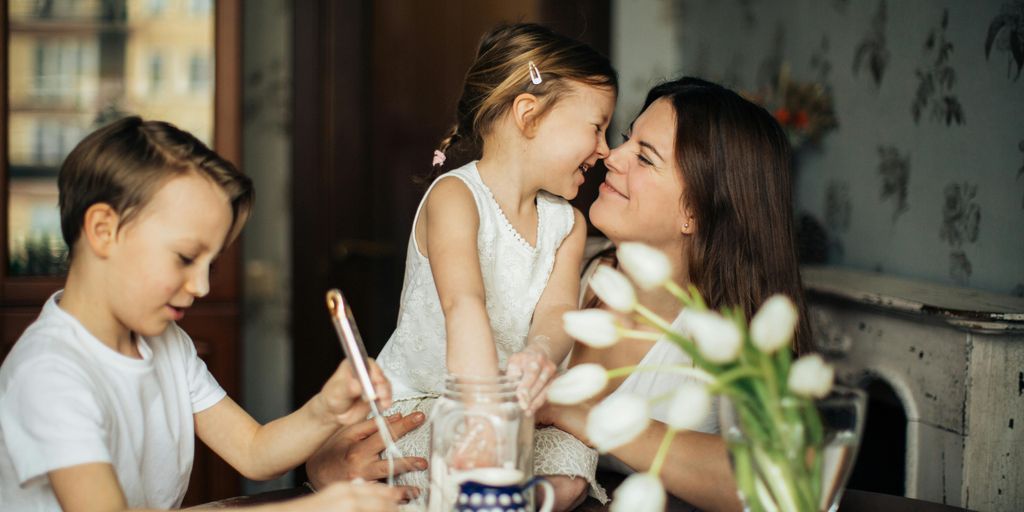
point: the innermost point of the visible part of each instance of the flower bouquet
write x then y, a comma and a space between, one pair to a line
789, 450
803, 109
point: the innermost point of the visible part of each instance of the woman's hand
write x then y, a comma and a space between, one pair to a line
534, 367
354, 452
340, 398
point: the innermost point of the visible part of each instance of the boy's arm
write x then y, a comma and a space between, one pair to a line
547, 343
452, 222
262, 452
94, 487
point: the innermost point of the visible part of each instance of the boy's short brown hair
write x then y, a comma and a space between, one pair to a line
126, 162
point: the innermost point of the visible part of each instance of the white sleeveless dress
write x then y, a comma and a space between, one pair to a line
514, 275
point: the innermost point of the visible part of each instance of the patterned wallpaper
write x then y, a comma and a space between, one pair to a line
924, 177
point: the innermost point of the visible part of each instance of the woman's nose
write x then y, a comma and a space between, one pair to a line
614, 159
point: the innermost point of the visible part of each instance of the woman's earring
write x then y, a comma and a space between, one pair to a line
686, 226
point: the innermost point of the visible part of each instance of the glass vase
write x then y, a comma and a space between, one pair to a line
476, 424
795, 456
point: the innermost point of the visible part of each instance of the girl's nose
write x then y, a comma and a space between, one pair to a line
602, 148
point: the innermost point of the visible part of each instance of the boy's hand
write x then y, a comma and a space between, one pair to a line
354, 496
341, 395
536, 370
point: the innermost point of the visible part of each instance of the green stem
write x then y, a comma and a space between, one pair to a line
728, 377
659, 458
653, 318
680, 294
695, 373
640, 335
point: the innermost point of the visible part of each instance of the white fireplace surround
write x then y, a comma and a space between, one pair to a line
955, 358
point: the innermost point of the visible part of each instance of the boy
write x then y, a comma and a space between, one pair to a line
101, 397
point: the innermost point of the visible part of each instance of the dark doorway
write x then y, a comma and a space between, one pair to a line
375, 89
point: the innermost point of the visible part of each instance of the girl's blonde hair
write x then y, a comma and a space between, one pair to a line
501, 72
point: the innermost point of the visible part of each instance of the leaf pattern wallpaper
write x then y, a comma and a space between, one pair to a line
928, 158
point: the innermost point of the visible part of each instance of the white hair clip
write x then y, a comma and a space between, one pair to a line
534, 74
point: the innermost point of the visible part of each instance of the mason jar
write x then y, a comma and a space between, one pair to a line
477, 423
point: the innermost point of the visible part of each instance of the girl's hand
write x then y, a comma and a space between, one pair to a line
341, 395
354, 496
534, 366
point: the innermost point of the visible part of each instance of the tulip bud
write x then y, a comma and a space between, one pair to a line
648, 266
773, 326
717, 338
578, 384
811, 376
593, 327
640, 492
614, 289
616, 421
689, 406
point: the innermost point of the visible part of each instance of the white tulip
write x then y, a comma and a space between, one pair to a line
689, 406
717, 338
640, 492
616, 421
580, 383
773, 326
811, 376
614, 289
593, 327
648, 266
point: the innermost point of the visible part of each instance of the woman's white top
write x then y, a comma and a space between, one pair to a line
664, 352
514, 275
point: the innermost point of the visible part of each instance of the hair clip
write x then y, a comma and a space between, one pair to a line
534, 74
438, 158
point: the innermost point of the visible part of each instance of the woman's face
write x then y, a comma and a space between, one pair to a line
641, 197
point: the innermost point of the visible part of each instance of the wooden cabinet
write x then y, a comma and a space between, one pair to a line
68, 67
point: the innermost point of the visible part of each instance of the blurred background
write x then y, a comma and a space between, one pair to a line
907, 120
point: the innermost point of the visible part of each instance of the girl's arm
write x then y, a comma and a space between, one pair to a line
94, 487
547, 342
262, 452
452, 222
697, 465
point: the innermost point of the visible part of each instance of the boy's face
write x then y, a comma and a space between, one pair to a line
160, 262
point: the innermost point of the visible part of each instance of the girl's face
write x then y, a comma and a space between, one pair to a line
570, 137
161, 261
641, 197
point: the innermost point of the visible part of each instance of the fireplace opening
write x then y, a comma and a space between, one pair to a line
881, 462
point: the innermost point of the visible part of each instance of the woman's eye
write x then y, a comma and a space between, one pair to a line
643, 159
185, 259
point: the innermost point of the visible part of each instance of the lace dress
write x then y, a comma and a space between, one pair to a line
514, 275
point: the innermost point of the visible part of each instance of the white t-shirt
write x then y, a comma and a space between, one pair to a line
68, 399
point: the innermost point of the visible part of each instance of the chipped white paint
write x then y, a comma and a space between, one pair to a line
955, 359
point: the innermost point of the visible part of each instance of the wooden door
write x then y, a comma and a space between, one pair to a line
375, 90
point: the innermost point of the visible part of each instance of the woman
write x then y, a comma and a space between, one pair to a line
703, 176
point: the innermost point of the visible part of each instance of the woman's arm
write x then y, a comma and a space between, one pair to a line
262, 452
696, 468
452, 222
547, 342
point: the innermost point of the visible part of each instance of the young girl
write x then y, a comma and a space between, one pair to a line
495, 252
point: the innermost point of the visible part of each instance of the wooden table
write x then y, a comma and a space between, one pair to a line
853, 501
